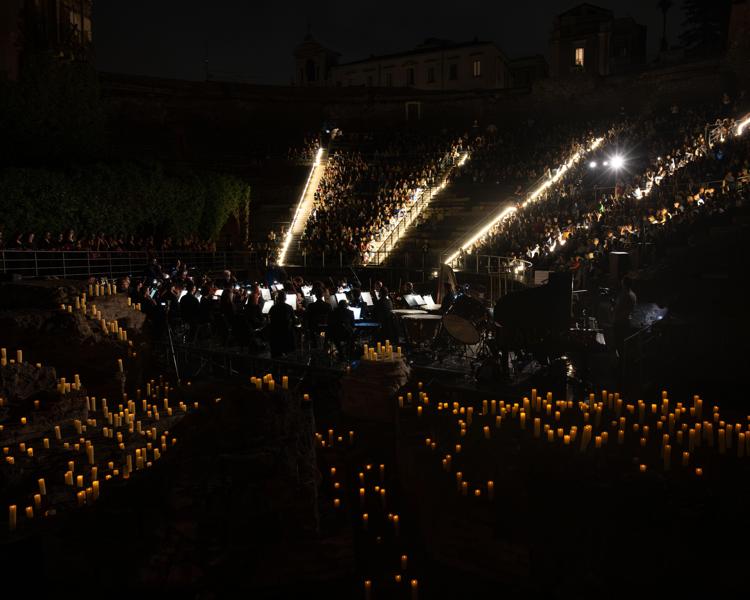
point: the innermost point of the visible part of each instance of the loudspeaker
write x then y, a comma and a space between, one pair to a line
619, 265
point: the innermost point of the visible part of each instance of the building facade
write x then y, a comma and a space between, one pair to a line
64, 27
435, 65
590, 39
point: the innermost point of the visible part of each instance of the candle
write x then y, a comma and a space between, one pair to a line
19, 356
68, 477
12, 517
642, 468
365, 519
414, 589
667, 456
368, 589
42, 487
404, 562
38, 501
698, 471
419, 411
395, 524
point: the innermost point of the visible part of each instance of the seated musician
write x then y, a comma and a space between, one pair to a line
357, 301
254, 309
316, 317
406, 290
449, 297
341, 329
384, 315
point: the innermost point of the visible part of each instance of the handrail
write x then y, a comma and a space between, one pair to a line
116, 263
384, 247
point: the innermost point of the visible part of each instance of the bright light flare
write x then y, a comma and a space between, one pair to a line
593, 164
617, 162
742, 125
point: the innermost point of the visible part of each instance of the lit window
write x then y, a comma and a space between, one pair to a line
477, 68
579, 57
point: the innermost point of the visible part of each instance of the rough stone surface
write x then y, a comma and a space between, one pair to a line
368, 391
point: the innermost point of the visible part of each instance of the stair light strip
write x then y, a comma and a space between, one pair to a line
742, 125
532, 197
375, 253
289, 233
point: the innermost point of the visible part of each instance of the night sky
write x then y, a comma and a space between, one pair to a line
253, 40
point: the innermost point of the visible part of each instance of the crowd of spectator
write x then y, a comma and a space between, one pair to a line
677, 166
71, 240
368, 182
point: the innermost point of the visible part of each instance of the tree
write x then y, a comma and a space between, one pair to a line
706, 23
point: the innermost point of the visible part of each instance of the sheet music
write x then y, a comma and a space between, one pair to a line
367, 297
267, 306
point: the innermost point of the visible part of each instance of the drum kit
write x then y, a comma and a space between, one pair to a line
464, 331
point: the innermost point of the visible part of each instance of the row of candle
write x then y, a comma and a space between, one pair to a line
382, 352
4, 357
668, 421
267, 382
102, 289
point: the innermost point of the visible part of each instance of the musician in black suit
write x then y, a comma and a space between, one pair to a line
316, 317
190, 308
341, 329
384, 315
281, 326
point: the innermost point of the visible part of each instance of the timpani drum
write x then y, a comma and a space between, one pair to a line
421, 329
464, 320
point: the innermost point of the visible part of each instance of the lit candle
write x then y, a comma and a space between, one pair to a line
12, 517
414, 589
368, 589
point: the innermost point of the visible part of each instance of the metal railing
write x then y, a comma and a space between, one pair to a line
386, 246
79, 264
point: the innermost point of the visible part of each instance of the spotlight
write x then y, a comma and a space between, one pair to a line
592, 164
606, 163
617, 162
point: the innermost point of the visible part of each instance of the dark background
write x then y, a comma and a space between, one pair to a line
252, 41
